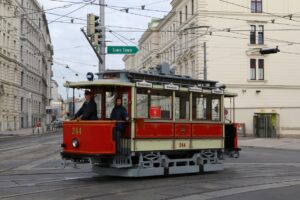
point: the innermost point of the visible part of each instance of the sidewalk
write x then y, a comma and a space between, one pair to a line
22, 132
274, 143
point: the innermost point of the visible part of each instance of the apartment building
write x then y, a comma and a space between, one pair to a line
25, 64
223, 39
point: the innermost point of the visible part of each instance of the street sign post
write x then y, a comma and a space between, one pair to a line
122, 49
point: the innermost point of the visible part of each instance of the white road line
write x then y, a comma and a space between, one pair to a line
36, 163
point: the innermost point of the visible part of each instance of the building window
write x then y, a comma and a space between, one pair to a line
22, 102
256, 6
252, 69
193, 7
22, 53
22, 78
180, 17
186, 12
260, 63
261, 69
253, 34
260, 34
193, 69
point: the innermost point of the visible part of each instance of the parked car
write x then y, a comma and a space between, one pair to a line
58, 123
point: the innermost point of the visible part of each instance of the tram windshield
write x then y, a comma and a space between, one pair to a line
105, 99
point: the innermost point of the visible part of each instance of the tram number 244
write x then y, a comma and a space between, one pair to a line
182, 145
76, 131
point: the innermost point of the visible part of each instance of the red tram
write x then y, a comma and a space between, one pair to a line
176, 125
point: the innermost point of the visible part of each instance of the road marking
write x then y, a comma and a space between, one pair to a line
238, 190
36, 163
265, 164
21, 147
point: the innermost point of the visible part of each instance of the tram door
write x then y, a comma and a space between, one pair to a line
265, 125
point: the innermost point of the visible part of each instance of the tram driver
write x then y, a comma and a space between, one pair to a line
88, 111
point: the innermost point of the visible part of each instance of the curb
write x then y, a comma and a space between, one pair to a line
271, 148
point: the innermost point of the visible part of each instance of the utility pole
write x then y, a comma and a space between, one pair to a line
205, 61
102, 39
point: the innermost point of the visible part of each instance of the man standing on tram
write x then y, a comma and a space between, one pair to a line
88, 111
119, 113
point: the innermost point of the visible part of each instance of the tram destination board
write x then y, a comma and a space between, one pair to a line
122, 49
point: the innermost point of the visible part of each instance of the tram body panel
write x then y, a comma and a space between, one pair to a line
153, 130
207, 130
144, 145
94, 137
183, 130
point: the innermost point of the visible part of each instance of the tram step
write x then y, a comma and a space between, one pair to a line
212, 167
184, 169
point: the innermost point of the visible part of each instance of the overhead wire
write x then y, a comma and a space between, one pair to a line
271, 14
79, 8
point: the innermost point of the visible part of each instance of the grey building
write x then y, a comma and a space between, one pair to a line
25, 64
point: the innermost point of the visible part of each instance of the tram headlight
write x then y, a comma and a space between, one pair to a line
75, 143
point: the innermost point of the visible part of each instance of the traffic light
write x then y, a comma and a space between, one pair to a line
93, 25
96, 39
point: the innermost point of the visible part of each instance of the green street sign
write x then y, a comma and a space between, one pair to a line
122, 49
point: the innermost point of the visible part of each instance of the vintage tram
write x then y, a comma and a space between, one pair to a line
176, 125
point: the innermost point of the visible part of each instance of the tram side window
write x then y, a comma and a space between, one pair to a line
182, 105
142, 102
200, 107
215, 109
110, 103
161, 104
98, 99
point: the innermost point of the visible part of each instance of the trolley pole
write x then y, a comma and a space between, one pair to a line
205, 61
102, 40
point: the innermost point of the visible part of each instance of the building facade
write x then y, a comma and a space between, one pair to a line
223, 39
56, 102
25, 61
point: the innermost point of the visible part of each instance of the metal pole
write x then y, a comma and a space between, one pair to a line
89, 41
102, 45
73, 107
205, 61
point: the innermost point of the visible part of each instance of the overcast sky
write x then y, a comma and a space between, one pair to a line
70, 45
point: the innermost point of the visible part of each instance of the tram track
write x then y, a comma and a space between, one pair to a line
145, 184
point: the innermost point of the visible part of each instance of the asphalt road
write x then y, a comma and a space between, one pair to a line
30, 169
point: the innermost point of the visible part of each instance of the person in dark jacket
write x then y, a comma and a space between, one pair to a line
88, 111
119, 113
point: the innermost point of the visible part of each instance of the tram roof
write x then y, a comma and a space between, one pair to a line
101, 82
129, 78
123, 77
